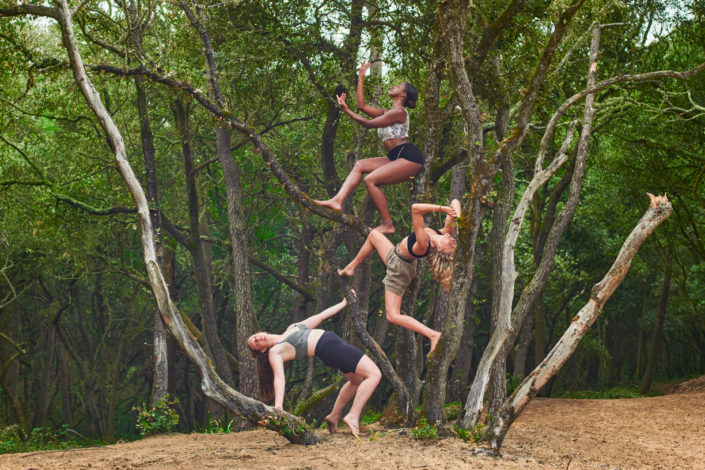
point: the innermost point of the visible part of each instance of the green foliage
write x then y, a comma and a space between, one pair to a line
370, 417
159, 419
478, 431
425, 431
216, 426
512, 383
287, 427
452, 410
13, 440
463, 433
623, 391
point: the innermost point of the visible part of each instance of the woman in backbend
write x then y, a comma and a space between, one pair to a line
403, 160
303, 339
400, 260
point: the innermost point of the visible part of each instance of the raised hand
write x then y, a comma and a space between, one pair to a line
451, 211
455, 204
363, 69
341, 100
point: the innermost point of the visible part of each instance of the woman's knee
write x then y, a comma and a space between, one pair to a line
375, 374
370, 182
393, 317
361, 166
368, 370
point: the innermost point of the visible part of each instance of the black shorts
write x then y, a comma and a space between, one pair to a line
407, 151
334, 352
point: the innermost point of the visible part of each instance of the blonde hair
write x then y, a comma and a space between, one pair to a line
441, 265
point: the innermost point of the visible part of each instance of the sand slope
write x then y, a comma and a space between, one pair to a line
665, 432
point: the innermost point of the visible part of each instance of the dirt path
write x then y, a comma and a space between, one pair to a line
665, 432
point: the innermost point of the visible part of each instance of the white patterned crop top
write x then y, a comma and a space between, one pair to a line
396, 130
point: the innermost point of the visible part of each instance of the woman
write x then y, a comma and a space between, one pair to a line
403, 160
303, 339
438, 245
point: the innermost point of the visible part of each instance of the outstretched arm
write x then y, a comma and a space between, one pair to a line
315, 320
448, 227
393, 116
364, 107
277, 363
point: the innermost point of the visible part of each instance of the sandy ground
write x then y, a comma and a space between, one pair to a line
666, 432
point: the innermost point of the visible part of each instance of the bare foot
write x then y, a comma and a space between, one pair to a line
353, 425
346, 272
386, 227
332, 203
332, 424
434, 341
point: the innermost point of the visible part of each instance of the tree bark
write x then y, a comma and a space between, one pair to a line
244, 313
160, 365
289, 425
200, 251
660, 208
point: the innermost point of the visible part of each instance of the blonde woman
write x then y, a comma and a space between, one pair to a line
400, 260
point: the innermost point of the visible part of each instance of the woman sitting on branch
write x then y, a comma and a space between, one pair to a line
403, 160
400, 260
302, 340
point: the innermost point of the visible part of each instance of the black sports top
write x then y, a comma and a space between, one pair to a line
411, 241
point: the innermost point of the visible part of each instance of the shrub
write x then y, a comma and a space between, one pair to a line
452, 410
13, 439
216, 426
425, 431
160, 419
370, 417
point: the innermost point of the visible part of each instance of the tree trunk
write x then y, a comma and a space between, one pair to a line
10, 371
656, 337
45, 389
522, 350
640, 339
508, 324
200, 251
290, 426
160, 363
500, 217
244, 311
65, 386
660, 208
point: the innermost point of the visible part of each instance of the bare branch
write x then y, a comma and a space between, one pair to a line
25, 9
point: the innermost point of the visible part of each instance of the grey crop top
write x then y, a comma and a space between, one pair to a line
299, 340
396, 130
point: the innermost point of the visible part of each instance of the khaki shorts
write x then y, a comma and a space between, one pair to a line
400, 273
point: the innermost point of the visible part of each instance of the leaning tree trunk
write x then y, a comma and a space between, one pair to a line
660, 208
160, 360
292, 427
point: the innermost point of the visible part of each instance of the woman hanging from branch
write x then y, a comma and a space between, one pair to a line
438, 245
304, 339
403, 160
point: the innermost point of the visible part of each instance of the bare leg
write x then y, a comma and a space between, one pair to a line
347, 392
375, 241
395, 172
392, 304
370, 374
361, 167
